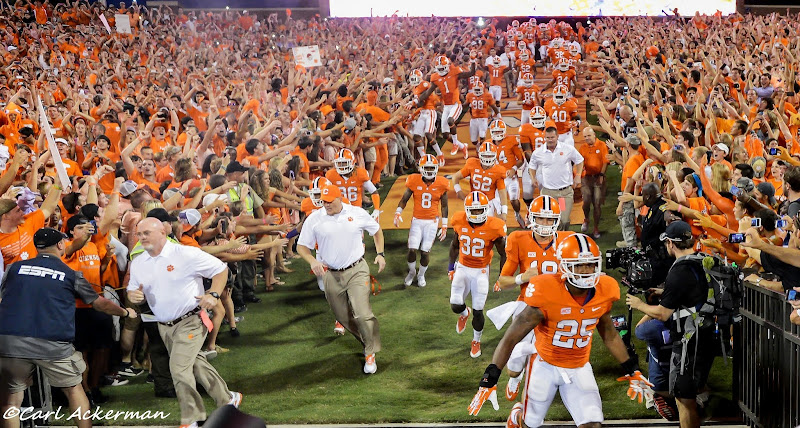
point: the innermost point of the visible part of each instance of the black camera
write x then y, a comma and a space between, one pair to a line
636, 266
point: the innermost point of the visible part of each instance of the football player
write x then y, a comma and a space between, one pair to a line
564, 309
534, 253
563, 110
525, 64
479, 103
446, 78
430, 193
497, 72
563, 74
486, 176
475, 235
352, 181
511, 158
531, 136
424, 125
528, 95
308, 205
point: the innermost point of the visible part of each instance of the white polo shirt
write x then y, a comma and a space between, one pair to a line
554, 168
172, 280
338, 237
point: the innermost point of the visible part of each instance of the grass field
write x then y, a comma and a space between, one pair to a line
292, 369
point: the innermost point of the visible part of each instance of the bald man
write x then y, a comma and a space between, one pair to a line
169, 277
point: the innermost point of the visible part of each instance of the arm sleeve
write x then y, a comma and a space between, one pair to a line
206, 264
83, 290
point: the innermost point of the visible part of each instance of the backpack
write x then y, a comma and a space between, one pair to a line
725, 287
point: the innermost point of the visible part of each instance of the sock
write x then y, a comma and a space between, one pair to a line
421, 150
422, 270
464, 313
437, 149
412, 266
476, 335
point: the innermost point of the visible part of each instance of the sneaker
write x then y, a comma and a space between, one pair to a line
409, 278
475, 351
421, 281
440, 158
235, 332
237, 319
221, 350
236, 399
150, 378
370, 366
252, 299
512, 388
127, 370
596, 235
584, 227
514, 417
117, 380
209, 354
240, 308
338, 329
461, 325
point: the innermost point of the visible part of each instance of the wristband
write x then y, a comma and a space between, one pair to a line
518, 279
680, 207
457, 187
631, 366
381, 254
504, 209
263, 220
451, 266
399, 210
490, 376
444, 222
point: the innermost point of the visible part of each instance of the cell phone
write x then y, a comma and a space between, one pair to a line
736, 238
224, 223
708, 156
780, 224
660, 176
625, 90
735, 190
756, 222
790, 94
679, 147
791, 295
619, 321
94, 226
773, 151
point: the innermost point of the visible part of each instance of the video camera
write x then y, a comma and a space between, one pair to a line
636, 266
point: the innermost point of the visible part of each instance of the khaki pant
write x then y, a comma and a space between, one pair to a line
183, 342
347, 293
567, 195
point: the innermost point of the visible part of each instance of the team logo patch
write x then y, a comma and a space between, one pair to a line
561, 153
483, 270
566, 311
349, 218
170, 268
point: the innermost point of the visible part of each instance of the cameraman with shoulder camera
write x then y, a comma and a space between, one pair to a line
653, 225
685, 291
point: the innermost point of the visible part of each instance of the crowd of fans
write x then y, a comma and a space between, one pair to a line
205, 122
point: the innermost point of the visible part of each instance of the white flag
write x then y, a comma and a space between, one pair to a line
51, 143
105, 23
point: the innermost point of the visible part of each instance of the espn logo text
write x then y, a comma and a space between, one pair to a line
41, 272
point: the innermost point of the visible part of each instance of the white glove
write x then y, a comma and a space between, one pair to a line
376, 214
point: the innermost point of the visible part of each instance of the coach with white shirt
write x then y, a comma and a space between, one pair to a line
552, 166
170, 277
337, 233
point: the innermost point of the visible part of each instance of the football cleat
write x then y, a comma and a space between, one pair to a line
461, 325
338, 329
515, 416
370, 366
475, 349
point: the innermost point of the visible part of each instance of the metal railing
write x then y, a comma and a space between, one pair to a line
767, 375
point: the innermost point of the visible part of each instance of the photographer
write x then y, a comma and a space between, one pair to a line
653, 225
685, 291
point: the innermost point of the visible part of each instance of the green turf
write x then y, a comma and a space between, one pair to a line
292, 369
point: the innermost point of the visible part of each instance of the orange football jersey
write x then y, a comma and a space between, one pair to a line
564, 77
509, 152
533, 136
479, 106
475, 78
496, 75
430, 102
484, 180
561, 114
307, 207
564, 337
475, 249
427, 196
448, 85
353, 187
556, 54
523, 252
529, 96
528, 66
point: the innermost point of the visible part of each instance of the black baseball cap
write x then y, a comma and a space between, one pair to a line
235, 166
677, 231
47, 237
162, 215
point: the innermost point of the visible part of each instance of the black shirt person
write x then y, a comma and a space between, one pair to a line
653, 225
37, 323
685, 290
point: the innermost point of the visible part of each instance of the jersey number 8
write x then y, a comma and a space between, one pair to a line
426, 200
